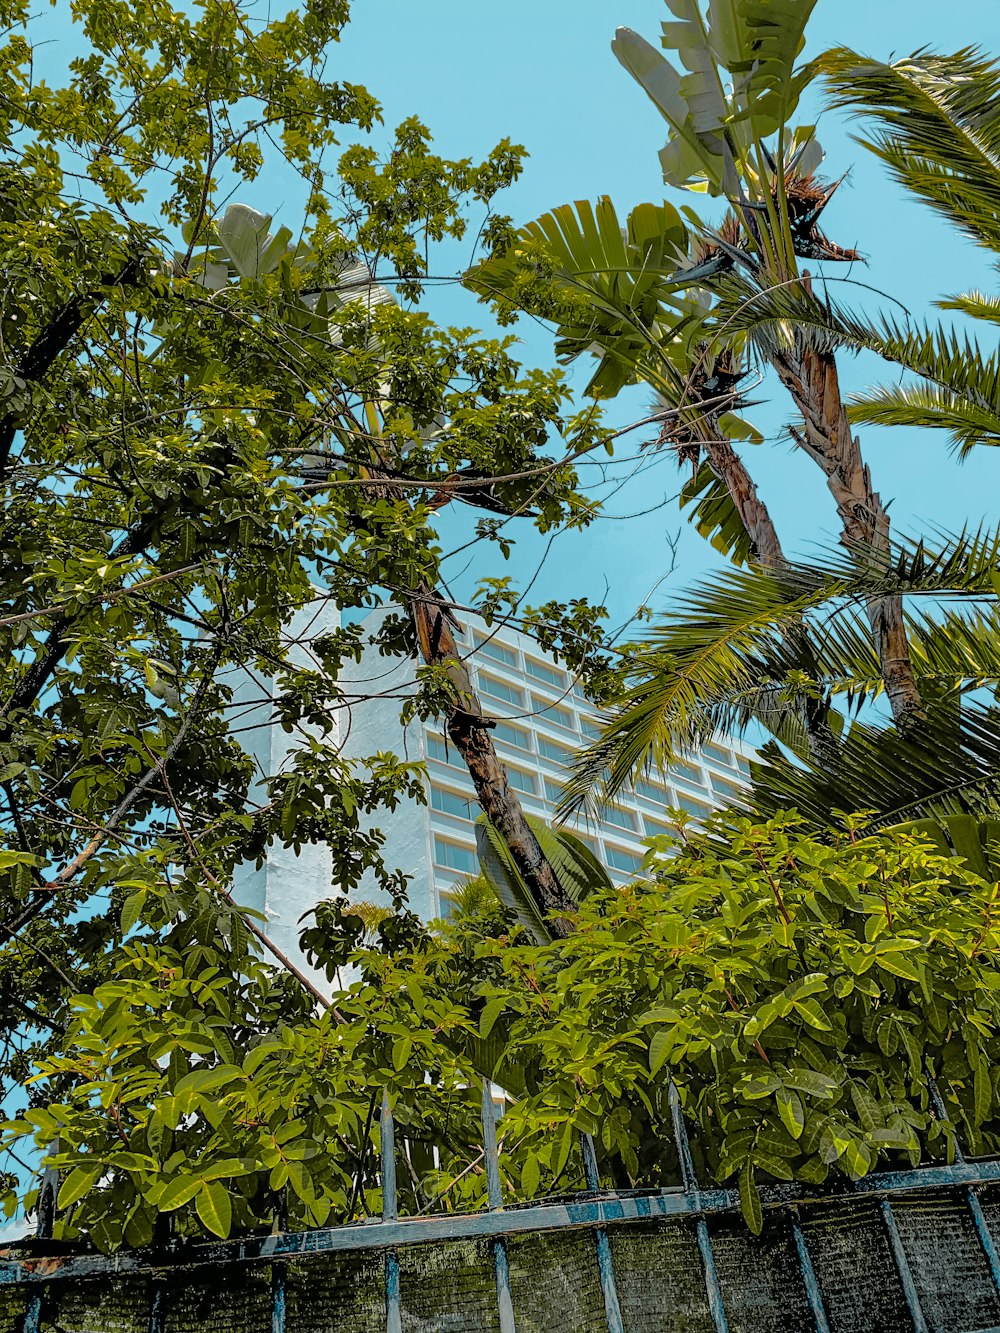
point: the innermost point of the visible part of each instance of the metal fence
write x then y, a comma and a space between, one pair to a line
933, 1289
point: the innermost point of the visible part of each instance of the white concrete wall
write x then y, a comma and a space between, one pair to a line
287, 884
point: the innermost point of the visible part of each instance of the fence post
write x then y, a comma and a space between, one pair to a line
494, 1199
390, 1213
713, 1290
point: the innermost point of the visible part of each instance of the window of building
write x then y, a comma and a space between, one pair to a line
730, 790
436, 749
620, 859
743, 765
498, 651
697, 808
652, 791
590, 727
506, 731
562, 717
620, 818
500, 689
553, 750
717, 753
679, 768
656, 828
541, 671
517, 777
451, 802
553, 790
454, 857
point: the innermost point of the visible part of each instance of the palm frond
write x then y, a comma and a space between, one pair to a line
939, 128
746, 645
951, 765
962, 393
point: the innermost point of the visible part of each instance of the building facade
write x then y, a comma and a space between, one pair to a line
543, 719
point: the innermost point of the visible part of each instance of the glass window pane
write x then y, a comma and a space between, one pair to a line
730, 790
451, 802
455, 858
717, 752
553, 790
685, 770
500, 689
436, 749
562, 717
498, 651
523, 781
622, 860
506, 731
619, 818
697, 808
553, 750
540, 671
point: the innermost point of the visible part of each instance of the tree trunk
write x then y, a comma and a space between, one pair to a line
469, 731
810, 376
728, 467
766, 549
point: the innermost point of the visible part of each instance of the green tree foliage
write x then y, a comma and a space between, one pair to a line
697, 308
205, 425
799, 995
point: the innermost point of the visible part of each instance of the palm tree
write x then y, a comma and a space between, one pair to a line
692, 310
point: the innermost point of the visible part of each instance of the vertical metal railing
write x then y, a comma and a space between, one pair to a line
814, 1296
605, 1267
689, 1179
48, 1194
494, 1199
985, 1236
390, 1213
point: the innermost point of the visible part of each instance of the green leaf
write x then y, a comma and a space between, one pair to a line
132, 910
530, 1176
177, 1192
491, 1012
214, 1206
982, 1094
750, 1204
792, 1112
659, 1049
401, 1049
78, 1183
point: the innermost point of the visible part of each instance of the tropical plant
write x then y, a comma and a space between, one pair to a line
694, 310
804, 996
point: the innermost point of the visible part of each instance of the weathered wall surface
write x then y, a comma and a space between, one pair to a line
555, 1281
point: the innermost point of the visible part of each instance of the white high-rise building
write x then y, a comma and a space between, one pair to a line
542, 719
287, 884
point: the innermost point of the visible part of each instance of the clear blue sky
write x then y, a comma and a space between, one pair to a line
542, 72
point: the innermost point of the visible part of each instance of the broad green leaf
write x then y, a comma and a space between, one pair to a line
750, 1204
177, 1192
214, 1207
78, 1183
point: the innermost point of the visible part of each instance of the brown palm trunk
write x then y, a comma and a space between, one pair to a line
810, 376
766, 550
469, 731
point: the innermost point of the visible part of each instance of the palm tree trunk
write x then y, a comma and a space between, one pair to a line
765, 546
810, 376
469, 731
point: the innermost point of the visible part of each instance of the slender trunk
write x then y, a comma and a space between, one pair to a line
469, 731
810, 376
728, 467
766, 550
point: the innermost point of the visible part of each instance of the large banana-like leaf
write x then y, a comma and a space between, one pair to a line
692, 106
772, 84
576, 867
606, 287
